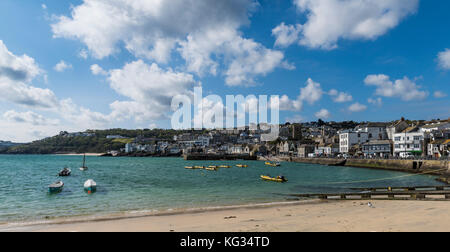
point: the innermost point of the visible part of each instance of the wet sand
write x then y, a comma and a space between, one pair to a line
334, 216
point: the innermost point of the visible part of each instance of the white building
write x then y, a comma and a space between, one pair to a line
348, 139
435, 127
410, 140
377, 131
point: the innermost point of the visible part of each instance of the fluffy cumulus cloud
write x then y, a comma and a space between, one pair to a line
405, 88
29, 117
444, 59
357, 107
150, 90
205, 34
286, 35
375, 101
62, 66
323, 114
340, 97
311, 93
439, 94
329, 21
98, 70
16, 74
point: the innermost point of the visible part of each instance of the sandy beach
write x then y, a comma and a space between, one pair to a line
82, 154
317, 216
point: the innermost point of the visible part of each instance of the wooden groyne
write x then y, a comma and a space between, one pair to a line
434, 193
218, 157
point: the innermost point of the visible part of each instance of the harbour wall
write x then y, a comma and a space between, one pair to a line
434, 167
218, 157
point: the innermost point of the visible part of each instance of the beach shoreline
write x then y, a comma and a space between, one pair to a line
300, 216
81, 154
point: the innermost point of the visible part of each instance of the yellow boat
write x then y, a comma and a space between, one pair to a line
189, 167
279, 179
224, 166
242, 166
199, 167
213, 166
211, 169
273, 164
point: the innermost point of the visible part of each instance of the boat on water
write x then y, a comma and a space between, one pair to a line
56, 187
279, 179
65, 172
242, 166
211, 169
224, 166
199, 167
274, 164
213, 166
84, 167
189, 167
90, 186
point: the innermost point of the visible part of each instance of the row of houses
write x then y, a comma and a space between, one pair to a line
380, 139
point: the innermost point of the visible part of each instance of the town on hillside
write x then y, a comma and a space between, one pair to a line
398, 139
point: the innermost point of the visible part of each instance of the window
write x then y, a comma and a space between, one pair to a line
416, 146
398, 139
416, 138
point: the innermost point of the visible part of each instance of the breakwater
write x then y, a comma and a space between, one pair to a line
434, 167
218, 157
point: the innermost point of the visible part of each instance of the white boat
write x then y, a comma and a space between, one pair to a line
56, 187
84, 167
90, 186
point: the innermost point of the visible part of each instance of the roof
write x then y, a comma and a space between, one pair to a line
441, 141
378, 142
410, 129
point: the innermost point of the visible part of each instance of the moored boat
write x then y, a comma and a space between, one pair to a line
211, 168
189, 167
224, 166
56, 187
84, 167
273, 164
65, 172
90, 186
242, 166
279, 179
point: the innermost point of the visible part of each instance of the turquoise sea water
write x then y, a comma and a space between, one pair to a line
159, 184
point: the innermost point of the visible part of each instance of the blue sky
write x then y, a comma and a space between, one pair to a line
331, 59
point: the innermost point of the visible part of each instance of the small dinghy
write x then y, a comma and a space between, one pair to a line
65, 172
90, 186
56, 187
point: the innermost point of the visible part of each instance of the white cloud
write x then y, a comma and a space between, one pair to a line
323, 114
312, 92
357, 107
405, 88
83, 54
44, 7
439, 94
205, 34
340, 97
286, 35
29, 117
62, 66
375, 101
16, 72
150, 89
444, 59
329, 21
98, 70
